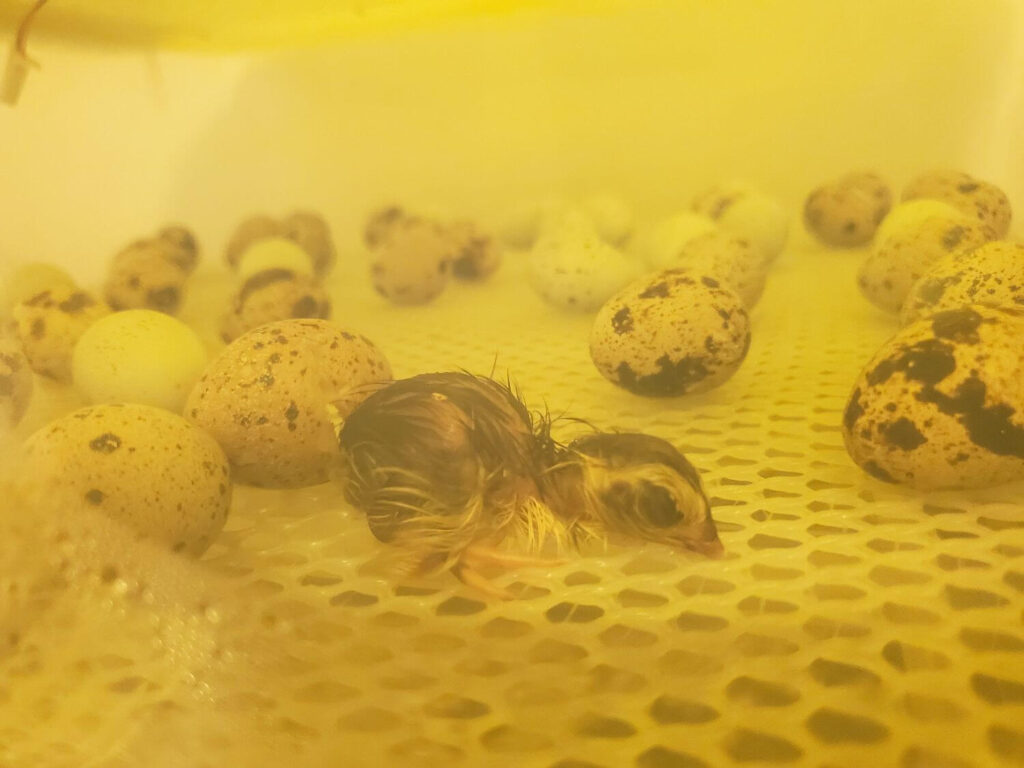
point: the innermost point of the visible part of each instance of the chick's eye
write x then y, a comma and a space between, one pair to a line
657, 505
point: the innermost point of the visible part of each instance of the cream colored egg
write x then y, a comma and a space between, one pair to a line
907, 216
273, 253
27, 280
16, 383
973, 197
897, 262
310, 232
611, 215
144, 467
138, 356
991, 274
250, 231
271, 295
271, 397
413, 264
146, 275
751, 215
49, 325
941, 404
671, 333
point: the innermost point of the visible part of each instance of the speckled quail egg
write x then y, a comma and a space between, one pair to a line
729, 259
271, 295
271, 396
49, 325
380, 223
249, 231
846, 213
898, 261
941, 404
310, 232
740, 209
670, 333
979, 199
413, 264
477, 255
660, 244
30, 279
145, 467
611, 216
273, 253
143, 276
991, 274
570, 266
16, 383
906, 217
138, 356
184, 250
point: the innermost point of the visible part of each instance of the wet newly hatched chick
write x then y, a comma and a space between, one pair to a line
445, 466
634, 486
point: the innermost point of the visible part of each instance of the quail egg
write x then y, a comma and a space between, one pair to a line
670, 333
270, 398
659, 245
413, 264
310, 232
611, 216
747, 213
978, 199
27, 280
138, 356
250, 231
477, 255
846, 213
274, 294
380, 223
273, 253
146, 275
145, 467
730, 260
184, 250
991, 274
49, 325
16, 383
941, 404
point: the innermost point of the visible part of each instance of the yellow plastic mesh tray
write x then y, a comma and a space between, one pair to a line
852, 623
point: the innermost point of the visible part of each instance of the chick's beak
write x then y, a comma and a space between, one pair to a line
702, 540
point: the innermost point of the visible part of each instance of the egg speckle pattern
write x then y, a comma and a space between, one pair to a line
271, 295
731, 260
145, 467
991, 274
413, 263
49, 325
16, 383
978, 199
845, 213
941, 405
146, 275
669, 334
248, 232
271, 396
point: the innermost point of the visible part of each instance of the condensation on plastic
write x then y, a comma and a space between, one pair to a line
851, 623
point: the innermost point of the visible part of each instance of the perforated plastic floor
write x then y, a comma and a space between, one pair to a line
852, 623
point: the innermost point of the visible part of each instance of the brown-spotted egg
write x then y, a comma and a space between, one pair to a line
271, 398
983, 201
271, 295
670, 333
49, 325
146, 275
941, 404
845, 213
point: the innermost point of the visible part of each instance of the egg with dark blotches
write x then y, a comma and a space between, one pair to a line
49, 325
845, 213
16, 383
145, 467
272, 396
146, 275
670, 333
991, 274
271, 295
979, 199
941, 405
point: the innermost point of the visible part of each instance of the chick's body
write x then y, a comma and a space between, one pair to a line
442, 462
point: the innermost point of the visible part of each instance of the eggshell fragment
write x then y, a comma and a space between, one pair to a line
671, 333
978, 199
270, 397
146, 275
49, 325
413, 264
271, 295
145, 467
898, 261
16, 383
941, 405
991, 274
847, 212
138, 356
573, 268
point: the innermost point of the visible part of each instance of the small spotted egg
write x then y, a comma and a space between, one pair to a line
906, 217
991, 274
271, 295
273, 253
730, 260
571, 267
145, 276
271, 396
659, 245
49, 325
145, 467
897, 262
27, 280
249, 231
138, 356
478, 255
310, 232
16, 383
185, 248
671, 333
747, 213
380, 223
979, 199
846, 213
413, 264
941, 404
